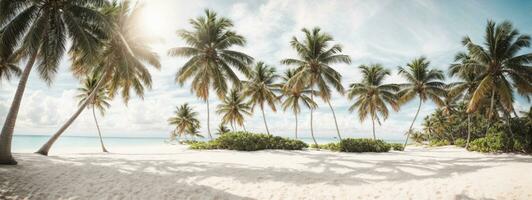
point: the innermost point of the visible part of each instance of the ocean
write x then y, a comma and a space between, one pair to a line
31, 143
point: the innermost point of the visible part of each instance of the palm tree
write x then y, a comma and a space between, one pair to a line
194, 132
122, 63
8, 65
222, 129
185, 120
315, 55
372, 95
260, 89
467, 71
98, 101
422, 82
211, 58
41, 29
428, 127
503, 70
294, 97
233, 109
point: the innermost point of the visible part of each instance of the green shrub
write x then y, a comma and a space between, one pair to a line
397, 147
244, 141
329, 146
437, 143
460, 142
363, 145
490, 143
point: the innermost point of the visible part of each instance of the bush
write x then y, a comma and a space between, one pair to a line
490, 143
397, 147
460, 142
363, 145
437, 143
244, 141
330, 146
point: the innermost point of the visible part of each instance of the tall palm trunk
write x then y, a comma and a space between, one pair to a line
415, 117
295, 114
9, 125
264, 119
98, 128
311, 121
244, 127
46, 147
468, 130
335, 122
208, 119
492, 104
373, 124
233, 126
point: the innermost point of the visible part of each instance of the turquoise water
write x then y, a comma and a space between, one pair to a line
30, 143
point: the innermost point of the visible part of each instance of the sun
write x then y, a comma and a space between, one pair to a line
152, 20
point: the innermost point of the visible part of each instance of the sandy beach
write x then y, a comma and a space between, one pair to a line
173, 172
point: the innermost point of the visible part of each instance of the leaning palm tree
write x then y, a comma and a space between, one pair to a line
503, 69
293, 97
184, 120
211, 60
372, 96
123, 61
422, 82
99, 101
260, 89
41, 29
315, 55
233, 108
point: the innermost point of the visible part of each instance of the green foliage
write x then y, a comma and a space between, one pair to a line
333, 146
438, 143
490, 143
397, 147
363, 145
460, 142
245, 141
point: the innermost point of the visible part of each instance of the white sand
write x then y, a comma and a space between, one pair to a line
172, 172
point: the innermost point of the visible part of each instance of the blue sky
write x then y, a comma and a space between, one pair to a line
390, 32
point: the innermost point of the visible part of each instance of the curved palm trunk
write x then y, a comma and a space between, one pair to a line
264, 119
295, 114
468, 130
415, 117
311, 121
46, 147
373, 124
98, 128
335, 122
208, 120
9, 125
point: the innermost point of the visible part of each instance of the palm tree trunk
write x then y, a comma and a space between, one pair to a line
311, 119
264, 119
373, 124
295, 114
98, 128
46, 147
508, 121
415, 117
9, 125
335, 122
468, 130
492, 103
244, 127
233, 126
208, 120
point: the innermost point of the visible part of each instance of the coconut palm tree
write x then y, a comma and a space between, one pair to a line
222, 129
292, 98
212, 62
194, 132
233, 109
422, 82
504, 70
185, 121
315, 55
123, 61
372, 95
41, 29
260, 89
99, 101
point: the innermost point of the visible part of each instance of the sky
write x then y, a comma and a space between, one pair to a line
389, 32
